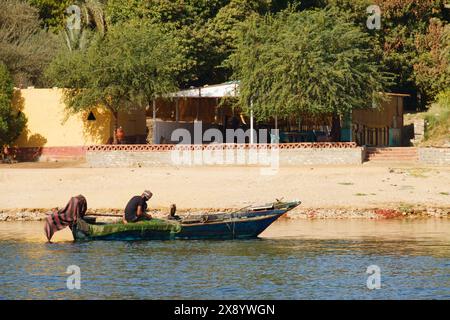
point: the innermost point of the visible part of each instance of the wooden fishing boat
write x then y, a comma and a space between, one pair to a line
246, 223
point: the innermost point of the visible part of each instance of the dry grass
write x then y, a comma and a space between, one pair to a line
437, 119
419, 172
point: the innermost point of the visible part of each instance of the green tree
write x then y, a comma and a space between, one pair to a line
220, 34
86, 18
146, 57
123, 70
432, 65
203, 29
184, 19
90, 16
12, 122
403, 21
312, 62
54, 13
25, 48
404, 24
51, 12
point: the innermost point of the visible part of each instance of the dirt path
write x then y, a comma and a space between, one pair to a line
364, 186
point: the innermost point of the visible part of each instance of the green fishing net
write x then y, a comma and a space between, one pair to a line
150, 225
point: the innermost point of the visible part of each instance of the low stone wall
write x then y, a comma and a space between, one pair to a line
321, 156
436, 156
49, 153
235, 154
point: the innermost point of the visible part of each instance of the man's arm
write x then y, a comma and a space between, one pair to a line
142, 213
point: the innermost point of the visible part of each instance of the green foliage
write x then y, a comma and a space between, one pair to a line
404, 24
6, 83
443, 99
11, 122
205, 30
182, 18
147, 58
172, 13
438, 121
125, 69
55, 15
314, 62
411, 44
24, 47
51, 12
92, 20
220, 35
432, 66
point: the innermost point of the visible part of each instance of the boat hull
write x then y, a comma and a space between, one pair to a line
227, 231
244, 225
214, 231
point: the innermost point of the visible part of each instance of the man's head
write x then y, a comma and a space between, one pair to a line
147, 195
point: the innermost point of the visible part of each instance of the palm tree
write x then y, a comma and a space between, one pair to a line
86, 17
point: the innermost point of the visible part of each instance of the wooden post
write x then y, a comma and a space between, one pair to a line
252, 141
177, 111
198, 109
155, 140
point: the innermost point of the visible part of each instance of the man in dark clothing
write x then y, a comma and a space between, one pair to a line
136, 208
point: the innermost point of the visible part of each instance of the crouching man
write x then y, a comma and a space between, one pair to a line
136, 208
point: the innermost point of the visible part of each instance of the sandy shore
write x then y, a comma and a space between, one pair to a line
356, 190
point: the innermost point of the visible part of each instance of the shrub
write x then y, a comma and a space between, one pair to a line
12, 121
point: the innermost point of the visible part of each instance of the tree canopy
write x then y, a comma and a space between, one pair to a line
315, 61
125, 69
205, 30
400, 43
51, 12
411, 43
25, 48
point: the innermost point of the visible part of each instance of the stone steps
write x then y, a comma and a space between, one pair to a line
407, 154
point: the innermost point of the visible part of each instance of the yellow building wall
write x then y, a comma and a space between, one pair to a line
50, 125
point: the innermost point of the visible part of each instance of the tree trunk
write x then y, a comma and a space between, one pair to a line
152, 102
336, 128
150, 123
4, 152
116, 126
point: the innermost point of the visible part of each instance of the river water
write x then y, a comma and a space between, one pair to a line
300, 259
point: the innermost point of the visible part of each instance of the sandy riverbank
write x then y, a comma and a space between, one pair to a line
29, 190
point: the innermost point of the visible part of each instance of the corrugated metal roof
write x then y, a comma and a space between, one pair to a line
227, 89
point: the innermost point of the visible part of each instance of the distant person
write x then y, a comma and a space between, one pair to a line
359, 133
172, 215
136, 208
120, 137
